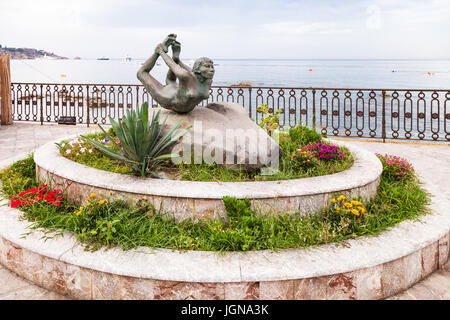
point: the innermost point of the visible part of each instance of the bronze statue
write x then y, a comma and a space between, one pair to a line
193, 85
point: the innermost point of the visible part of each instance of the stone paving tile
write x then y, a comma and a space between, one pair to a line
13, 287
21, 137
432, 163
434, 287
9, 281
32, 292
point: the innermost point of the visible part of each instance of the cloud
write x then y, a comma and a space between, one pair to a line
406, 12
374, 17
231, 29
289, 28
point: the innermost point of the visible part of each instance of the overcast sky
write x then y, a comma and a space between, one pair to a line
283, 29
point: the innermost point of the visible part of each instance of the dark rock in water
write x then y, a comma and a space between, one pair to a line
222, 133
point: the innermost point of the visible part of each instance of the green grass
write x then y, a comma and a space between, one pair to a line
19, 177
115, 224
94, 158
206, 172
289, 142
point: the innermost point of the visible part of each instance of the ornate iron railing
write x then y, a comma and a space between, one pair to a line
410, 114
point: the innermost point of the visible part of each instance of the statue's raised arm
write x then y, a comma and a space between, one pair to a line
192, 86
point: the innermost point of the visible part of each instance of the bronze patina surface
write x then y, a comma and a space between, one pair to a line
193, 85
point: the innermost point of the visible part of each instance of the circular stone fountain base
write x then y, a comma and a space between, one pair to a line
203, 200
365, 268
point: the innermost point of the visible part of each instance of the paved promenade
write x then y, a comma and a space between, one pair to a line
432, 163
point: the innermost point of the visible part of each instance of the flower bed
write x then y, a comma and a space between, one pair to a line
396, 167
107, 221
305, 154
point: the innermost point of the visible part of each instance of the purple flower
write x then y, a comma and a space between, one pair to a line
324, 151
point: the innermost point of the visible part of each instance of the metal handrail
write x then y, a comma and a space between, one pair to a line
382, 113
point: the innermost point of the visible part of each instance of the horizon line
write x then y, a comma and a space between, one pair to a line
281, 59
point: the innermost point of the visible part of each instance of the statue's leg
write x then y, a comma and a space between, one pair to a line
171, 78
176, 69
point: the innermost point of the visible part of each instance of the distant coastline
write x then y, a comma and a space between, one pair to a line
28, 53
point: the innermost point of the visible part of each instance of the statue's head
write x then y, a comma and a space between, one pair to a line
204, 67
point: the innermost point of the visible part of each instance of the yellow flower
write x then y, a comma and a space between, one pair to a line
341, 198
303, 152
356, 203
110, 193
338, 209
101, 201
77, 213
333, 200
362, 209
93, 195
88, 204
355, 212
348, 205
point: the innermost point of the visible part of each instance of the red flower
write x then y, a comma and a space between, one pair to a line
33, 195
15, 203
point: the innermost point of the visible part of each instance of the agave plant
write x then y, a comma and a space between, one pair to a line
142, 144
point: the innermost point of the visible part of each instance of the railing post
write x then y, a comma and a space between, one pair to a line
87, 104
383, 120
250, 102
314, 109
42, 107
137, 98
5, 91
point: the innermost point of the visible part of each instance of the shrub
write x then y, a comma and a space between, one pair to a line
297, 137
269, 122
311, 155
142, 145
395, 167
324, 151
303, 135
303, 159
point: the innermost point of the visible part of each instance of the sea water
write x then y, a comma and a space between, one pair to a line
373, 74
